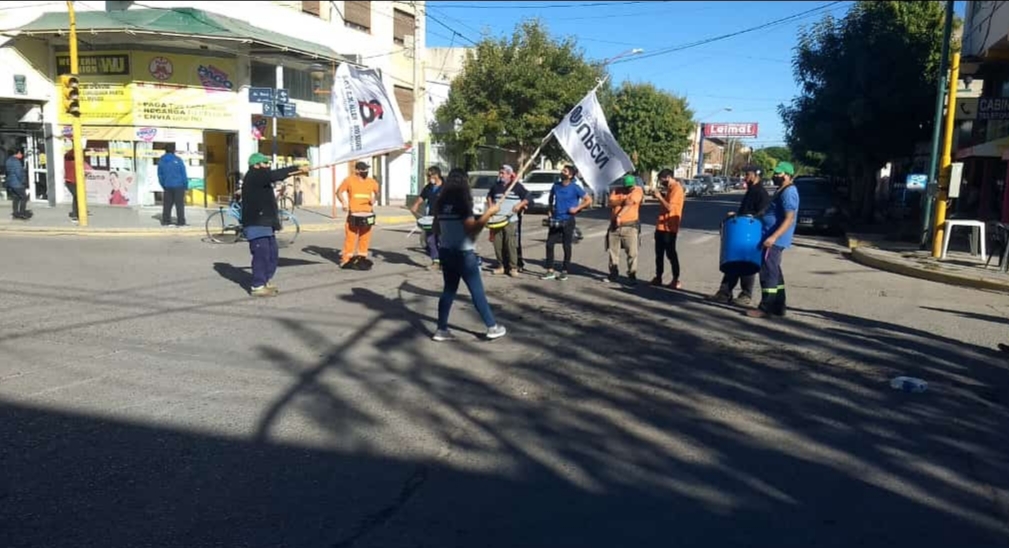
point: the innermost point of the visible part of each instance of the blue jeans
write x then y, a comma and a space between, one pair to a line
432, 245
265, 256
462, 265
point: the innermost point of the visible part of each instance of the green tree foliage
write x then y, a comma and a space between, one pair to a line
867, 86
513, 91
651, 125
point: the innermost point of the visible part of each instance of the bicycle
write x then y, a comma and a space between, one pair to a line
285, 201
224, 226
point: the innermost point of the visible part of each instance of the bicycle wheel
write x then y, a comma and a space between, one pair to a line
223, 227
286, 203
290, 230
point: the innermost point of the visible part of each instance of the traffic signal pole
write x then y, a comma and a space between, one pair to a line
80, 187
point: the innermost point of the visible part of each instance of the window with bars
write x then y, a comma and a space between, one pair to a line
402, 26
404, 98
357, 15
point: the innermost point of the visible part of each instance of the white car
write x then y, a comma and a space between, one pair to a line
480, 183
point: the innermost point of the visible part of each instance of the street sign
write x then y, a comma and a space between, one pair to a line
260, 95
269, 109
287, 110
282, 96
730, 130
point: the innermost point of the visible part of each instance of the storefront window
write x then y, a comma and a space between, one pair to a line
263, 75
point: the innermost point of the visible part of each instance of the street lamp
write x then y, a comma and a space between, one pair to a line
606, 62
700, 139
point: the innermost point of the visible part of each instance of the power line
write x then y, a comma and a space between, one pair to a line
695, 44
457, 33
527, 6
450, 18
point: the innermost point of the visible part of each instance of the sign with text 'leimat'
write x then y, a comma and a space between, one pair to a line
730, 130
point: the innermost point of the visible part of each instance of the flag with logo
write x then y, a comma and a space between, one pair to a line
365, 117
585, 136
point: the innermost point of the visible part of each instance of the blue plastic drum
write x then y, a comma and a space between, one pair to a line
742, 253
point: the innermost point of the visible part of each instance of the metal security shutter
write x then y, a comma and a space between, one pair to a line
404, 98
402, 26
358, 15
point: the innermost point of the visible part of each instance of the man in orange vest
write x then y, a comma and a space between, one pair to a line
625, 227
362, 192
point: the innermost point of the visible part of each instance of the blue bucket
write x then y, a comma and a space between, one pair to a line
742, 252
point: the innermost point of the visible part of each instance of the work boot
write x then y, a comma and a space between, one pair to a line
262, 291
721, 296
744, 299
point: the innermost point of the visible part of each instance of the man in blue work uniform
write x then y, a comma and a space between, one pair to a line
779, 227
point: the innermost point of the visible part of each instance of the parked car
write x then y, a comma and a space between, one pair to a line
719, 185
480, 183
539, 183
817, 210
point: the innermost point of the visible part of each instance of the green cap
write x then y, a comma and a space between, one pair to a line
258, 158
785, 167
629, 180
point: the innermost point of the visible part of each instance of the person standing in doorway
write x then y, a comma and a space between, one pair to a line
261, 219
174, 182
567, 199
506, 239
667, 226
779, 227
70, 180
625, 226
427, 198
362, 192
755, 201
16, 182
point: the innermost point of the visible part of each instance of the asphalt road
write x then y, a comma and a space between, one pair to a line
146, 400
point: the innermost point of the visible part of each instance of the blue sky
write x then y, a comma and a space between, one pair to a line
750, 73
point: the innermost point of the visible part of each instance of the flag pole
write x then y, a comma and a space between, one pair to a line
532, 157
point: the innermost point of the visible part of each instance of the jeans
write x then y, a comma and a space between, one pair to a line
564, 234
518, 243
20, 198
506, 246
176, 196
432, 245
772, 283
72, 188
626, 238
462, 265
665, 247
265, 256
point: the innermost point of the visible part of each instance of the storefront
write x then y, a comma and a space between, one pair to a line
133, 104
298, 143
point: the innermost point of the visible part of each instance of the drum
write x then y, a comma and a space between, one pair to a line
741, 252
498, 222
362, 220
425, 223
553, 223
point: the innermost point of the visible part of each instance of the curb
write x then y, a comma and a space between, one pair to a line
860, 256
166, 232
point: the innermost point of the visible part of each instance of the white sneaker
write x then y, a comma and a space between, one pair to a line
442, 336
496, 332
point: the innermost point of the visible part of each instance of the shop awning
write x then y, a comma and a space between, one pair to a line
992, 149
177, 22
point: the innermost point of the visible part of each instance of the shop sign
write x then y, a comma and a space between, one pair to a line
103, 64
993, 108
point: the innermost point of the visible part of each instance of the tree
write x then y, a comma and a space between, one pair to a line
867, 88
513, 91
651, 125
764, 160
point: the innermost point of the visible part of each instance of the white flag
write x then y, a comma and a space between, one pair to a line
365, 117
585, 136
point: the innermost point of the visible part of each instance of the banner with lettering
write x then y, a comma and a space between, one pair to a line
586, 137
365, 117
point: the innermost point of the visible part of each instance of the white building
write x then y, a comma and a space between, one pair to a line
175, 71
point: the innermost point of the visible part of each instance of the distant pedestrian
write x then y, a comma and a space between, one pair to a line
567, 199
779, 227
16, 181
754, 203
70, 180
457, 229
261, 220
174, 182
671, 196
427, 198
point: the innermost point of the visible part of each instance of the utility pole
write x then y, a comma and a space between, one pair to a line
416, 127
947, 158
80, 187
926, 202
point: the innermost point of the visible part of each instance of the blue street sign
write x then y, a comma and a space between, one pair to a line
282, 96
287, 110
260, 95
269, 109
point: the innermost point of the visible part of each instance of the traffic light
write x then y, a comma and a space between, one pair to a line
71, 92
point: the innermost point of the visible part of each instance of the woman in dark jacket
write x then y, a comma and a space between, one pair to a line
260, 220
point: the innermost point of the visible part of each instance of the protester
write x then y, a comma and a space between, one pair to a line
625, 228
671, 196
427, 198
567, 199
755, 202
779, 227
506, 239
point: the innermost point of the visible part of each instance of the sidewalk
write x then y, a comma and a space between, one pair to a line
146, 221
959, 267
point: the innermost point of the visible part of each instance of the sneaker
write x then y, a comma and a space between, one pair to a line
720, 297
632, 279
743, 300
549, 276
434, 266
656, 281
498, 271
676, 284
496, 332
262, 291
442, 335
271, 287
563, 277
513, 274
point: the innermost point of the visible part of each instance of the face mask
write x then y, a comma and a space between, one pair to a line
778, 179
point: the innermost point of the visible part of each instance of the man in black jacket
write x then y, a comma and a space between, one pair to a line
755, 201
260, 220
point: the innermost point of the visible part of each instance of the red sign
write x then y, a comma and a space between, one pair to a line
730, 130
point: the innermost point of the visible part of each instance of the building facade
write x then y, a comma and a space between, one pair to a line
180, 72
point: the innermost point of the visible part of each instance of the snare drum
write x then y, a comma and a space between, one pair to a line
425, 223
498, 222
362, 220
553, 223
